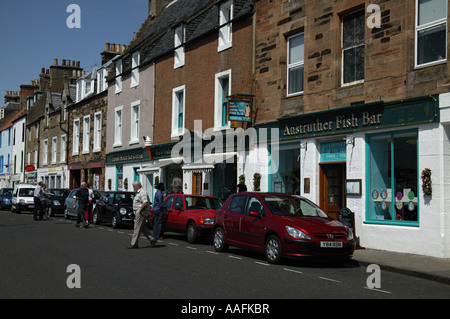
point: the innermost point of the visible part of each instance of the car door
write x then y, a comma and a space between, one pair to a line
178, 215
168, 203
232, 218
100, 207
253, 228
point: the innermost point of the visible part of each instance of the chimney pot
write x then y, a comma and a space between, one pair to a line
68, 62
107, 45
43, 71
47, 71
55, 61
117, 47
78, 64
64, 62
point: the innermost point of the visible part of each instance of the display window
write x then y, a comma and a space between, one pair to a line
392, 181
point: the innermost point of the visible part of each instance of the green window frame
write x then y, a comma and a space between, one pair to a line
392, 178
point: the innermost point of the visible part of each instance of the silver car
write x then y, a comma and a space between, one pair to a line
69, 211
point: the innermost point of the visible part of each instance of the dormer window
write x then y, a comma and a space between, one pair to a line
225, 25
179, 39
135, 69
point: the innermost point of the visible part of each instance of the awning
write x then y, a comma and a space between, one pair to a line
154, 168
208, 162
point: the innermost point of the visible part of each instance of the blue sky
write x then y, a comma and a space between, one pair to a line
34, 32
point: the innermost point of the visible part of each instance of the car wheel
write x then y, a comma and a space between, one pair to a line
115, 222
273, 249
66, 213
95, 217
191, 233
220, 243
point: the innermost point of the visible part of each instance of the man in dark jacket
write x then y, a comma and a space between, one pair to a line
82, 196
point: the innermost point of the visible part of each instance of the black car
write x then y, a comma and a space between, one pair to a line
115, 208
54, 200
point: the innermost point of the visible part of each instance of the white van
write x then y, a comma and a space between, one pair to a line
22, 198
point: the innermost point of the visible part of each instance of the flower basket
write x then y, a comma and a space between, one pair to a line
426, 181
256, 182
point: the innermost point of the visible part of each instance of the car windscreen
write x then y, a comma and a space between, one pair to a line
123, 198
198, 202
293, 206
26, 192
59, 192
7, 192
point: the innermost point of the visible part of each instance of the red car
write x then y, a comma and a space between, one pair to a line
192, 215
280, 225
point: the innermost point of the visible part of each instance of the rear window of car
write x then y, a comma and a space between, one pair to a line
237, 204
199, 202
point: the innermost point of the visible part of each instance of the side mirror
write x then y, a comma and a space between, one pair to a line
255, 214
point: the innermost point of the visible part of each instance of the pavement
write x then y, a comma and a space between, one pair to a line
432, 268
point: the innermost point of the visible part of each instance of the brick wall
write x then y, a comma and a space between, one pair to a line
389, 67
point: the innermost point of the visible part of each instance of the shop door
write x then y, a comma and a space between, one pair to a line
332, 182
197, 183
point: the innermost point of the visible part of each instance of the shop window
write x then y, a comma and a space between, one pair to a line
393, 179
431, 32
353, 26
287, 178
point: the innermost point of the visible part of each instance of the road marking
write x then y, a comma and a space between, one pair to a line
296, 271
212, 252
101, 227
121, 232
378, 290
260, 263
110, 229
234, 257
193, 248
329, 279
173, 244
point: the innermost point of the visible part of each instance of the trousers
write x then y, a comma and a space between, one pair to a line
140, 227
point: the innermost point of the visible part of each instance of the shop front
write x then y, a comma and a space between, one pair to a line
122, 169
371, 158
211, 174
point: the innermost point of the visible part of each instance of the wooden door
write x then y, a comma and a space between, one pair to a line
197, 183
332, 182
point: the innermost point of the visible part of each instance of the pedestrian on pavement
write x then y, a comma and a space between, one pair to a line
88, 212
141, 210
241, 188
38, 196
45, 203
82, 197
158, 210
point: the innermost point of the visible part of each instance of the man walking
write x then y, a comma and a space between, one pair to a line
38, 196
141, 213
82, 196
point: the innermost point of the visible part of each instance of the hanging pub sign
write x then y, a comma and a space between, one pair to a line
240, 108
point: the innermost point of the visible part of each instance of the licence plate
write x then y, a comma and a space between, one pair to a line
331, 244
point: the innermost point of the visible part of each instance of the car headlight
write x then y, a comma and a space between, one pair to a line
7, 200
294, 232
123, 211
207, 221
350, 234
56, 203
